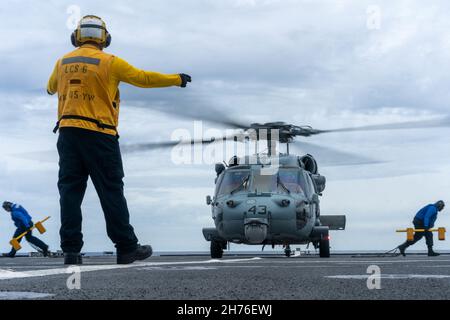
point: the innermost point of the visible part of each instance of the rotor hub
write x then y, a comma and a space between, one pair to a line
286, 132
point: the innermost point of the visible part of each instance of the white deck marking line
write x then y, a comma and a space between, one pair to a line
12, 295
8, 274
392, 276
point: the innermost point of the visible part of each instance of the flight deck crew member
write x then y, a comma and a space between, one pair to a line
87, 81
424, 219
23, 222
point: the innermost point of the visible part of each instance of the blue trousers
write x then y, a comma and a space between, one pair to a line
418, 224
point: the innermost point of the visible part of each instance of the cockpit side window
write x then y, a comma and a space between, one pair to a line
219, 182
309, 184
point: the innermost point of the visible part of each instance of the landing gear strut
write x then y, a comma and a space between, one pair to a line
217, 249
288, 251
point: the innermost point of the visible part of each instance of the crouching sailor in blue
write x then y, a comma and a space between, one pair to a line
23, 222
424, 219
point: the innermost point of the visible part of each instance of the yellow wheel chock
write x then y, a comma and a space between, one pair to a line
410, 233
38, 225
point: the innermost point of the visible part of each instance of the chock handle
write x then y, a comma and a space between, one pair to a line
410, 232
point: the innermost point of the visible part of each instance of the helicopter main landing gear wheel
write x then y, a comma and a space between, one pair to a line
288, 251
324, 247
216, 249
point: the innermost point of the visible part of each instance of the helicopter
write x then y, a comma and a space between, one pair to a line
270, 198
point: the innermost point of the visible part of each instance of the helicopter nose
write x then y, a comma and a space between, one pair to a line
256, 230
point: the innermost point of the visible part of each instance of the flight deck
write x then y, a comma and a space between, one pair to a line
266, 277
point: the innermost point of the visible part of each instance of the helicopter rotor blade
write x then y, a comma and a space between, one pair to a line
206, 113
139, 147
332, 157
435, 123
52, 155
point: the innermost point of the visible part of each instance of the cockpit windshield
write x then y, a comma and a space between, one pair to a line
234, 181
284, 181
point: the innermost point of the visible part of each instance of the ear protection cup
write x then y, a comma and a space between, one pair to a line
108, 40
73, 39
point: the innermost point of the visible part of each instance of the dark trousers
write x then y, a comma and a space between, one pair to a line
83, 154
419, 235
30, 238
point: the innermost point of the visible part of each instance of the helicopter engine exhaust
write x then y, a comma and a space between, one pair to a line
256, 230
309, 163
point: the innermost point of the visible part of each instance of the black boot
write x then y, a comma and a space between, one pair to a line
11, 254
431, 253
72, 258
402, 249
141, 253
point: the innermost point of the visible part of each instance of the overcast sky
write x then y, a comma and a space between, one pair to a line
322, 63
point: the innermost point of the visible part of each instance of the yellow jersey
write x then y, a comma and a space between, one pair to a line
87, 82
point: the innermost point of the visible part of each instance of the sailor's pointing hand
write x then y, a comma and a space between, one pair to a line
185, 78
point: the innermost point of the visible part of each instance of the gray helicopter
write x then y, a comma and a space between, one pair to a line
270, 199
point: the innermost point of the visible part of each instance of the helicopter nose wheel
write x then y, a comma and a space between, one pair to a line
217, 249
288, 251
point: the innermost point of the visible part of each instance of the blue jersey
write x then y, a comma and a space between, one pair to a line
21, 217
428, 215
